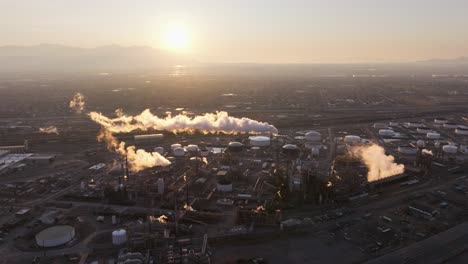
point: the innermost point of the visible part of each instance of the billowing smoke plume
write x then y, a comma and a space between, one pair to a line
219, 122
77, 103
138, 159
49, 130
378, 164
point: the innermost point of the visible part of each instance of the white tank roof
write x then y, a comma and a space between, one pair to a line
313, 136
235, 144
55, 236
192, 148
433, 135
176, 145
352, 139
179, 152
259, 141
290, 147
159, 150
450, 149
386, 132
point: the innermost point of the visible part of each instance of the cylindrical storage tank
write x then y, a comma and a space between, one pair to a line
176, 145
423, 130
461, 131
192, 148
224, 186
380, 125
450, 125
290, 150
179, 152
420, 143
352, 139
386, 132
393, 123
204, 152
160, 183
450, 149
313, 136
407, 150
235, 146
440, 120
55, 236
119, 237
415, 124
433, 135
159, 150
259, 141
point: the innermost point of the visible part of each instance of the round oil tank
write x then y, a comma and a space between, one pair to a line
451, 149
224, 186
159, 150
440, 120
235, 146
313, 136
259, 141
433, 135
450, 125
179, 152
461, 131
204, 152
290, 150
119, 237
421, 143
352, 139
386, 132
176, 145
423, 130
407, 150
393, 123
55, 236
415, 124
192, 148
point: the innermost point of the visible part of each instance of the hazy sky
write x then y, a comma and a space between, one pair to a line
249, 30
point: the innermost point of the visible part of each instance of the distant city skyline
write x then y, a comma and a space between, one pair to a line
314, 31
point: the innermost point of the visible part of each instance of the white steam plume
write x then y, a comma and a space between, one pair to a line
378, 164
219, 122
138, 159
49, 130
77, 103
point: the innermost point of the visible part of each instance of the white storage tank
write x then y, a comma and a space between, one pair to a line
176, 145
423, 130
192, 148
290, 149
224, 186
420, 143
407, 150
179, 152
386, 132
461, 131
313, 136
159, 150
433, 135
440, 120
119, 237
415, 124
235, 146
55, 236
450, 149
259, 141
160, 184
352, 139
450, 125
204, 152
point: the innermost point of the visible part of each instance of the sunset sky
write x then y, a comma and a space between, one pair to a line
267, 31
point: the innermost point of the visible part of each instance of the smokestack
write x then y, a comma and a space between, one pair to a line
126, 166
120, 175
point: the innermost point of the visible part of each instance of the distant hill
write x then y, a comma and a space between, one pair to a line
459, 60
52, 57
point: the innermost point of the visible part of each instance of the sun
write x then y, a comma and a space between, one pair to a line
177, 38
